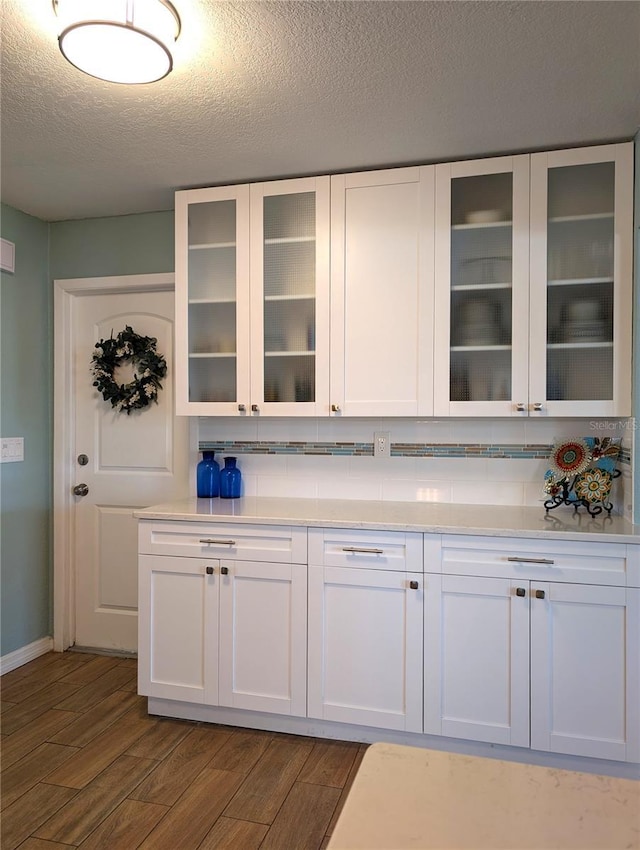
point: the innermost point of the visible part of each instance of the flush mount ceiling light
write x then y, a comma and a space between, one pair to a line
121, 41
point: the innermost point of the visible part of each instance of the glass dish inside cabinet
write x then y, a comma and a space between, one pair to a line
580, 282
289, 297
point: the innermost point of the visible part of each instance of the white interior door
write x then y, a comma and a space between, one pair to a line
133, 461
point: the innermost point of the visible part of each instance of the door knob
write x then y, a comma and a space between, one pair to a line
80, 490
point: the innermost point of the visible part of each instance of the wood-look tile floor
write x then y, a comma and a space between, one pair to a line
84, 765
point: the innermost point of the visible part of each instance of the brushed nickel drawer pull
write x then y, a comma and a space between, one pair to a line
531, 560
219, 542
363, 550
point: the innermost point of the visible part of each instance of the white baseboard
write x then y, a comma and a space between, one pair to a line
24, 654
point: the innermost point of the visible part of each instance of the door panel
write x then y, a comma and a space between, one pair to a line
477, 659
579, 668
134, 461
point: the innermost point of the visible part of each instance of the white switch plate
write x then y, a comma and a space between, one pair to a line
12, 449
382, 444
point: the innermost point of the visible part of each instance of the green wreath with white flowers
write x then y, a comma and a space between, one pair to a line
150, 368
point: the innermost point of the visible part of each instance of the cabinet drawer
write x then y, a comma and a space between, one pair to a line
281, 544
375, 550
557, 560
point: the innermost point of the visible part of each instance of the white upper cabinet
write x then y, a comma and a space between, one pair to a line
382, 293
481, 301
533, 296
581, 273
495, 287
252, 299
290, 297
212, 300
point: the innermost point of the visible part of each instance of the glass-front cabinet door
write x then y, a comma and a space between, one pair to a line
290, 297
481, 295
252, 299
581, 259
212, 301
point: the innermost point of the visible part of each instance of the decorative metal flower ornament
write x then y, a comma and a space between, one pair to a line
570, 458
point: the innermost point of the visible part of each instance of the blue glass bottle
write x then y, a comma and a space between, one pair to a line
230, 479
208, 476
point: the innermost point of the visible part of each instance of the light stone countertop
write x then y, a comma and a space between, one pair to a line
438, 518
407, 798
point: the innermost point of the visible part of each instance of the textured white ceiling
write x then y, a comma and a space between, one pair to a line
263, 90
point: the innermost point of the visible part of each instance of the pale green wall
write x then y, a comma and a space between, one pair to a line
135, 244
25, 411
128, 244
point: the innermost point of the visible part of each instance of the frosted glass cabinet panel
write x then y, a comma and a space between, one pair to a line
212, 300
290, 314
252, 299
581, 281
482, 221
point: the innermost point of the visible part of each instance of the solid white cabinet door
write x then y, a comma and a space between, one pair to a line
382, 292
476, 683
178, 628
365, 647
263, 627
585, 666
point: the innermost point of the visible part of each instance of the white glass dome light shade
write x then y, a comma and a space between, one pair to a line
121, 41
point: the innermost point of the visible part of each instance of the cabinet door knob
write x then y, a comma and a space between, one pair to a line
335, 408
242, 408
520, 591
209, 571
520, 406
224, 571
539, 594
414, 585
537, 405
255, 408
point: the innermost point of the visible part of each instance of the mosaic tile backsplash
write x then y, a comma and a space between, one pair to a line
470, 462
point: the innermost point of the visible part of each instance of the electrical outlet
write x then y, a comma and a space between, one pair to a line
381, 444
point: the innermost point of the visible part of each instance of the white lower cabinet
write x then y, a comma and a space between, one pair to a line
365, 628
223, 632
553, 666
365, 647
507, 641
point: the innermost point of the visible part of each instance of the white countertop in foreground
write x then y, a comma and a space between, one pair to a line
438, 518
405, 798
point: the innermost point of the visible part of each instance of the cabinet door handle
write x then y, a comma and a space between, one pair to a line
531, 560
335, 408
218, 542
537, 405
210, 570
520, 406
539, 594
520, 591
363, 550
414, 585
255, 408
224, 571
242, 408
